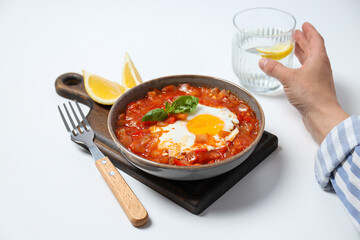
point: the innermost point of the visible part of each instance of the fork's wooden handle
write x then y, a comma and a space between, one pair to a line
131, 205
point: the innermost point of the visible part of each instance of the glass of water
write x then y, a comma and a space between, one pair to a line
261, 32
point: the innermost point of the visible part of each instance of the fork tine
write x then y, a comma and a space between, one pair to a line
64, 120
72, 122
87, 125
76, 117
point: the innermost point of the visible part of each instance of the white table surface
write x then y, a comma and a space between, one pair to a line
50, 189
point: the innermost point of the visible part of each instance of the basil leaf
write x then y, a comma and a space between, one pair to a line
183, 104
157, 114
167, 106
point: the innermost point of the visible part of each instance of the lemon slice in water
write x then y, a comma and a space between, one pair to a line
276, 52
102, 90
130, 76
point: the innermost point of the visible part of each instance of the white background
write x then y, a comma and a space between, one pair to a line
50, 189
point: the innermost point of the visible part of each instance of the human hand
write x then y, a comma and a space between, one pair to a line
310, 89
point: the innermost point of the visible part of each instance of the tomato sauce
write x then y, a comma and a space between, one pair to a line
136, 136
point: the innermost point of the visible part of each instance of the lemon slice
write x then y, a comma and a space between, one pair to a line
130, 76
102, 90
276, 52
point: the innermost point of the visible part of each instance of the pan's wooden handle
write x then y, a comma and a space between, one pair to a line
131, 205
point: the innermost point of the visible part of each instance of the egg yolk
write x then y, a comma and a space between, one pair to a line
205, 124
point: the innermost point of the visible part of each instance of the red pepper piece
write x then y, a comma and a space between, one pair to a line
247, 119
171, 120
178, 162
148, 123
201, 150
138, 133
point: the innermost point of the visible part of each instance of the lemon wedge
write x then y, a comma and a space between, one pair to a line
276, 52
130, 76
102, 90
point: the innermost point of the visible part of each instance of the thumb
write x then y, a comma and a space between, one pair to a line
275, 69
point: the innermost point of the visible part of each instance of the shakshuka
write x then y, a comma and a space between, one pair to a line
217, 126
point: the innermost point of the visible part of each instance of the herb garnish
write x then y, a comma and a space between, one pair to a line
183, 104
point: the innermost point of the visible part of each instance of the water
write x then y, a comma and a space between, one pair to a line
245, 60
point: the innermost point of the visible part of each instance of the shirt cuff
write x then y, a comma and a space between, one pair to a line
341, 140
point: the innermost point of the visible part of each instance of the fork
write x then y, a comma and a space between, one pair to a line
83, 134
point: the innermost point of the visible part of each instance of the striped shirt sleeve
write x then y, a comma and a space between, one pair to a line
337, 165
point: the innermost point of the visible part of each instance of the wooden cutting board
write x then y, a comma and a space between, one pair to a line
194, 196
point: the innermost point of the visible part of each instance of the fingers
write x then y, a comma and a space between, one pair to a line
316, 41
301, 46
275, 69
308, 42
301, 40
300, 54
310, 31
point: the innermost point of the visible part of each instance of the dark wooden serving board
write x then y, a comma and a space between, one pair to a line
194, 196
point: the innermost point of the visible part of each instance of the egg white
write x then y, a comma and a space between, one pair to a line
177, 139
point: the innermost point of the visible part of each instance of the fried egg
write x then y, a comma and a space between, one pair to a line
179, 138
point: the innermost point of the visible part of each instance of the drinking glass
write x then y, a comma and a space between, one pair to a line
261, 32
